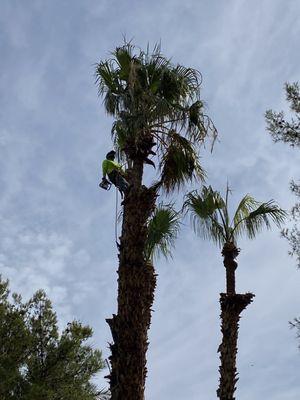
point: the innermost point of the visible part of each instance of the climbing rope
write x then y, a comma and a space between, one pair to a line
116, 217
116, 211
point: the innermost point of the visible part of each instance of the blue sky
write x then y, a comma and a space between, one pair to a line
57, 227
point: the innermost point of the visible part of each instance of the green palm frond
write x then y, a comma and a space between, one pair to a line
246, 205
179, 163
123, 56
163, 229
107, 78
210, 216
258, 218
195, 112
207, 215
212, 199
119, 134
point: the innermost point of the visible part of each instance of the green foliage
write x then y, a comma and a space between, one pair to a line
152, 98
293, 234
179, 164
210, 217
14, 342
163, 229
279, 128
36, 362
206, 216
289, 132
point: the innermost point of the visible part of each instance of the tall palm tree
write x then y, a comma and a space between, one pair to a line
211, 220
158, 113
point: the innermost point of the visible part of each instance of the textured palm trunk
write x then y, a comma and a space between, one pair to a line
230, 252
232, 305
136, 286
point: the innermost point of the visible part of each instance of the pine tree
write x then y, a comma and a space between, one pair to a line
288, 132
36, 360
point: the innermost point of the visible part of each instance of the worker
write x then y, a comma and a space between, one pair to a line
114, 172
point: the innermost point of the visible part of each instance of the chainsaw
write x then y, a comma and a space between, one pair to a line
105, 184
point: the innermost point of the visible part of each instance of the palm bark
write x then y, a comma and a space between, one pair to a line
136, 286
230, 252
232, 305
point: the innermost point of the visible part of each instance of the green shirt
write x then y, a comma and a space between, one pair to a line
108, 166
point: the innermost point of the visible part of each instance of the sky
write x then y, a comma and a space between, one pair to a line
57, 227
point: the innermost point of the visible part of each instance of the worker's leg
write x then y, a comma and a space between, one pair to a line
118, 180
121, 183
112, 176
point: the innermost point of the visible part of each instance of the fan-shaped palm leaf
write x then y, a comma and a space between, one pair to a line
258, 216
163, 229
246, 205
179, 163
206, 211
210, 217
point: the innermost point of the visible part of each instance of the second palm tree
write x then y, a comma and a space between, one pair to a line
211, 220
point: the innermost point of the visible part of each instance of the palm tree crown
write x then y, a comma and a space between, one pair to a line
155, 104
211, 218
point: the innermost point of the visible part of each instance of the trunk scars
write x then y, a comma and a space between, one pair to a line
231, 308
232, 305
230, 252
137, 282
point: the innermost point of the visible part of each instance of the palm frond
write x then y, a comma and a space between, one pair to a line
107, 77
124, 57
246, 205
210, 216
195, 112
119, 134
189, 80
179, 163
103, 394
258, 218
163, 229
207, 217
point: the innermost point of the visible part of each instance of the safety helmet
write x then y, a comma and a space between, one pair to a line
112, 153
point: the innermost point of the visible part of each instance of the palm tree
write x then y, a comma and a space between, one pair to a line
156, 106
211, 220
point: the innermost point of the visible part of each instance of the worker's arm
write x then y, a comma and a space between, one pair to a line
120, 168
104, 169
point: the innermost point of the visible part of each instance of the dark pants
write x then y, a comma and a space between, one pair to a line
119, 181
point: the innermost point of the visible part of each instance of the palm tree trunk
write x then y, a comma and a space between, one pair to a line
232, 305
136, 286
230, 252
